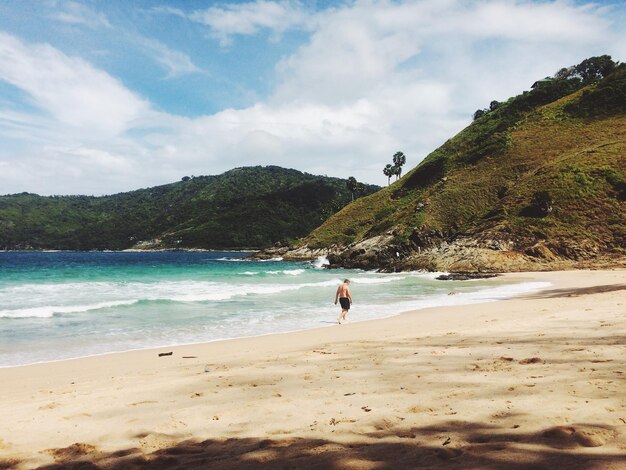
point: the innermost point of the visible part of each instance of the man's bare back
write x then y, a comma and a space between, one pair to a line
345, 298
343, 290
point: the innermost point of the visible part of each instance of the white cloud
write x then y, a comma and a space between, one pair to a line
557, 21
374, 77
249, 18
169, 11
80, 14
96, 159
69, 89
176, 63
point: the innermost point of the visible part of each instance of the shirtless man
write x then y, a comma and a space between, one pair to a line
345, 299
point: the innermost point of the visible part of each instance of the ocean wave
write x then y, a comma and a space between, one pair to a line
244, 290
320, 262
53, 287
83, 297
288, 272
49, 311
293, 272
427, 274
376, 280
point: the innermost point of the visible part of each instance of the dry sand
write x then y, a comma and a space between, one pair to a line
533, 382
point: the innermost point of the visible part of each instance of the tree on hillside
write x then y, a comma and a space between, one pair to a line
389, 171
565, 73
399, 159
595, 68
479, 113
398, 172
360, 188
589, 70
353, 185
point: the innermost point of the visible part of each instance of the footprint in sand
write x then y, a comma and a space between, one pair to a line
532, 360
145, 402
79, 415
388, 423
419, 409
321, 351
50, 406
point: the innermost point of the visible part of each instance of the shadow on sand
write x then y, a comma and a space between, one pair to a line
467, 446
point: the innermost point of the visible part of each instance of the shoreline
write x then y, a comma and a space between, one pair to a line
533, 380
465, 301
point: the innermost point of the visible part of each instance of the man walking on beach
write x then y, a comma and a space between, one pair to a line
345, 299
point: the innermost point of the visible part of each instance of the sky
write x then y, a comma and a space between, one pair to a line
99, 97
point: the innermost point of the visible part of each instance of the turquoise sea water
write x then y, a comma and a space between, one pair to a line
60, 305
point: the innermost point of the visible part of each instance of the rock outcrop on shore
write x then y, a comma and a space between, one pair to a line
459, 256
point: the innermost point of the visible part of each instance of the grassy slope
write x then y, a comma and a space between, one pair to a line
480, 183
244, 207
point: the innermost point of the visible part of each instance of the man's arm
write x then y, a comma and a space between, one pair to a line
348, 294
337, 294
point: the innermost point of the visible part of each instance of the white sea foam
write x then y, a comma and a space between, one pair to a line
128, 293
288, 272
320, 262
293, 272
376, 280
50, 310
234, 291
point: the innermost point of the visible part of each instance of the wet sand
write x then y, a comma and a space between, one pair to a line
538, 381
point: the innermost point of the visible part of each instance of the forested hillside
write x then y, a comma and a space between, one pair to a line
251, 207
536, 182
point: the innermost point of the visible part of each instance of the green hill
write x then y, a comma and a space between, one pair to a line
537, 182
251, 207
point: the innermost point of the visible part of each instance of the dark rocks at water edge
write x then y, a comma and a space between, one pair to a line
288, 253
464, 276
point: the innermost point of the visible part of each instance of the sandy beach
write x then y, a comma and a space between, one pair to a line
538, 381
